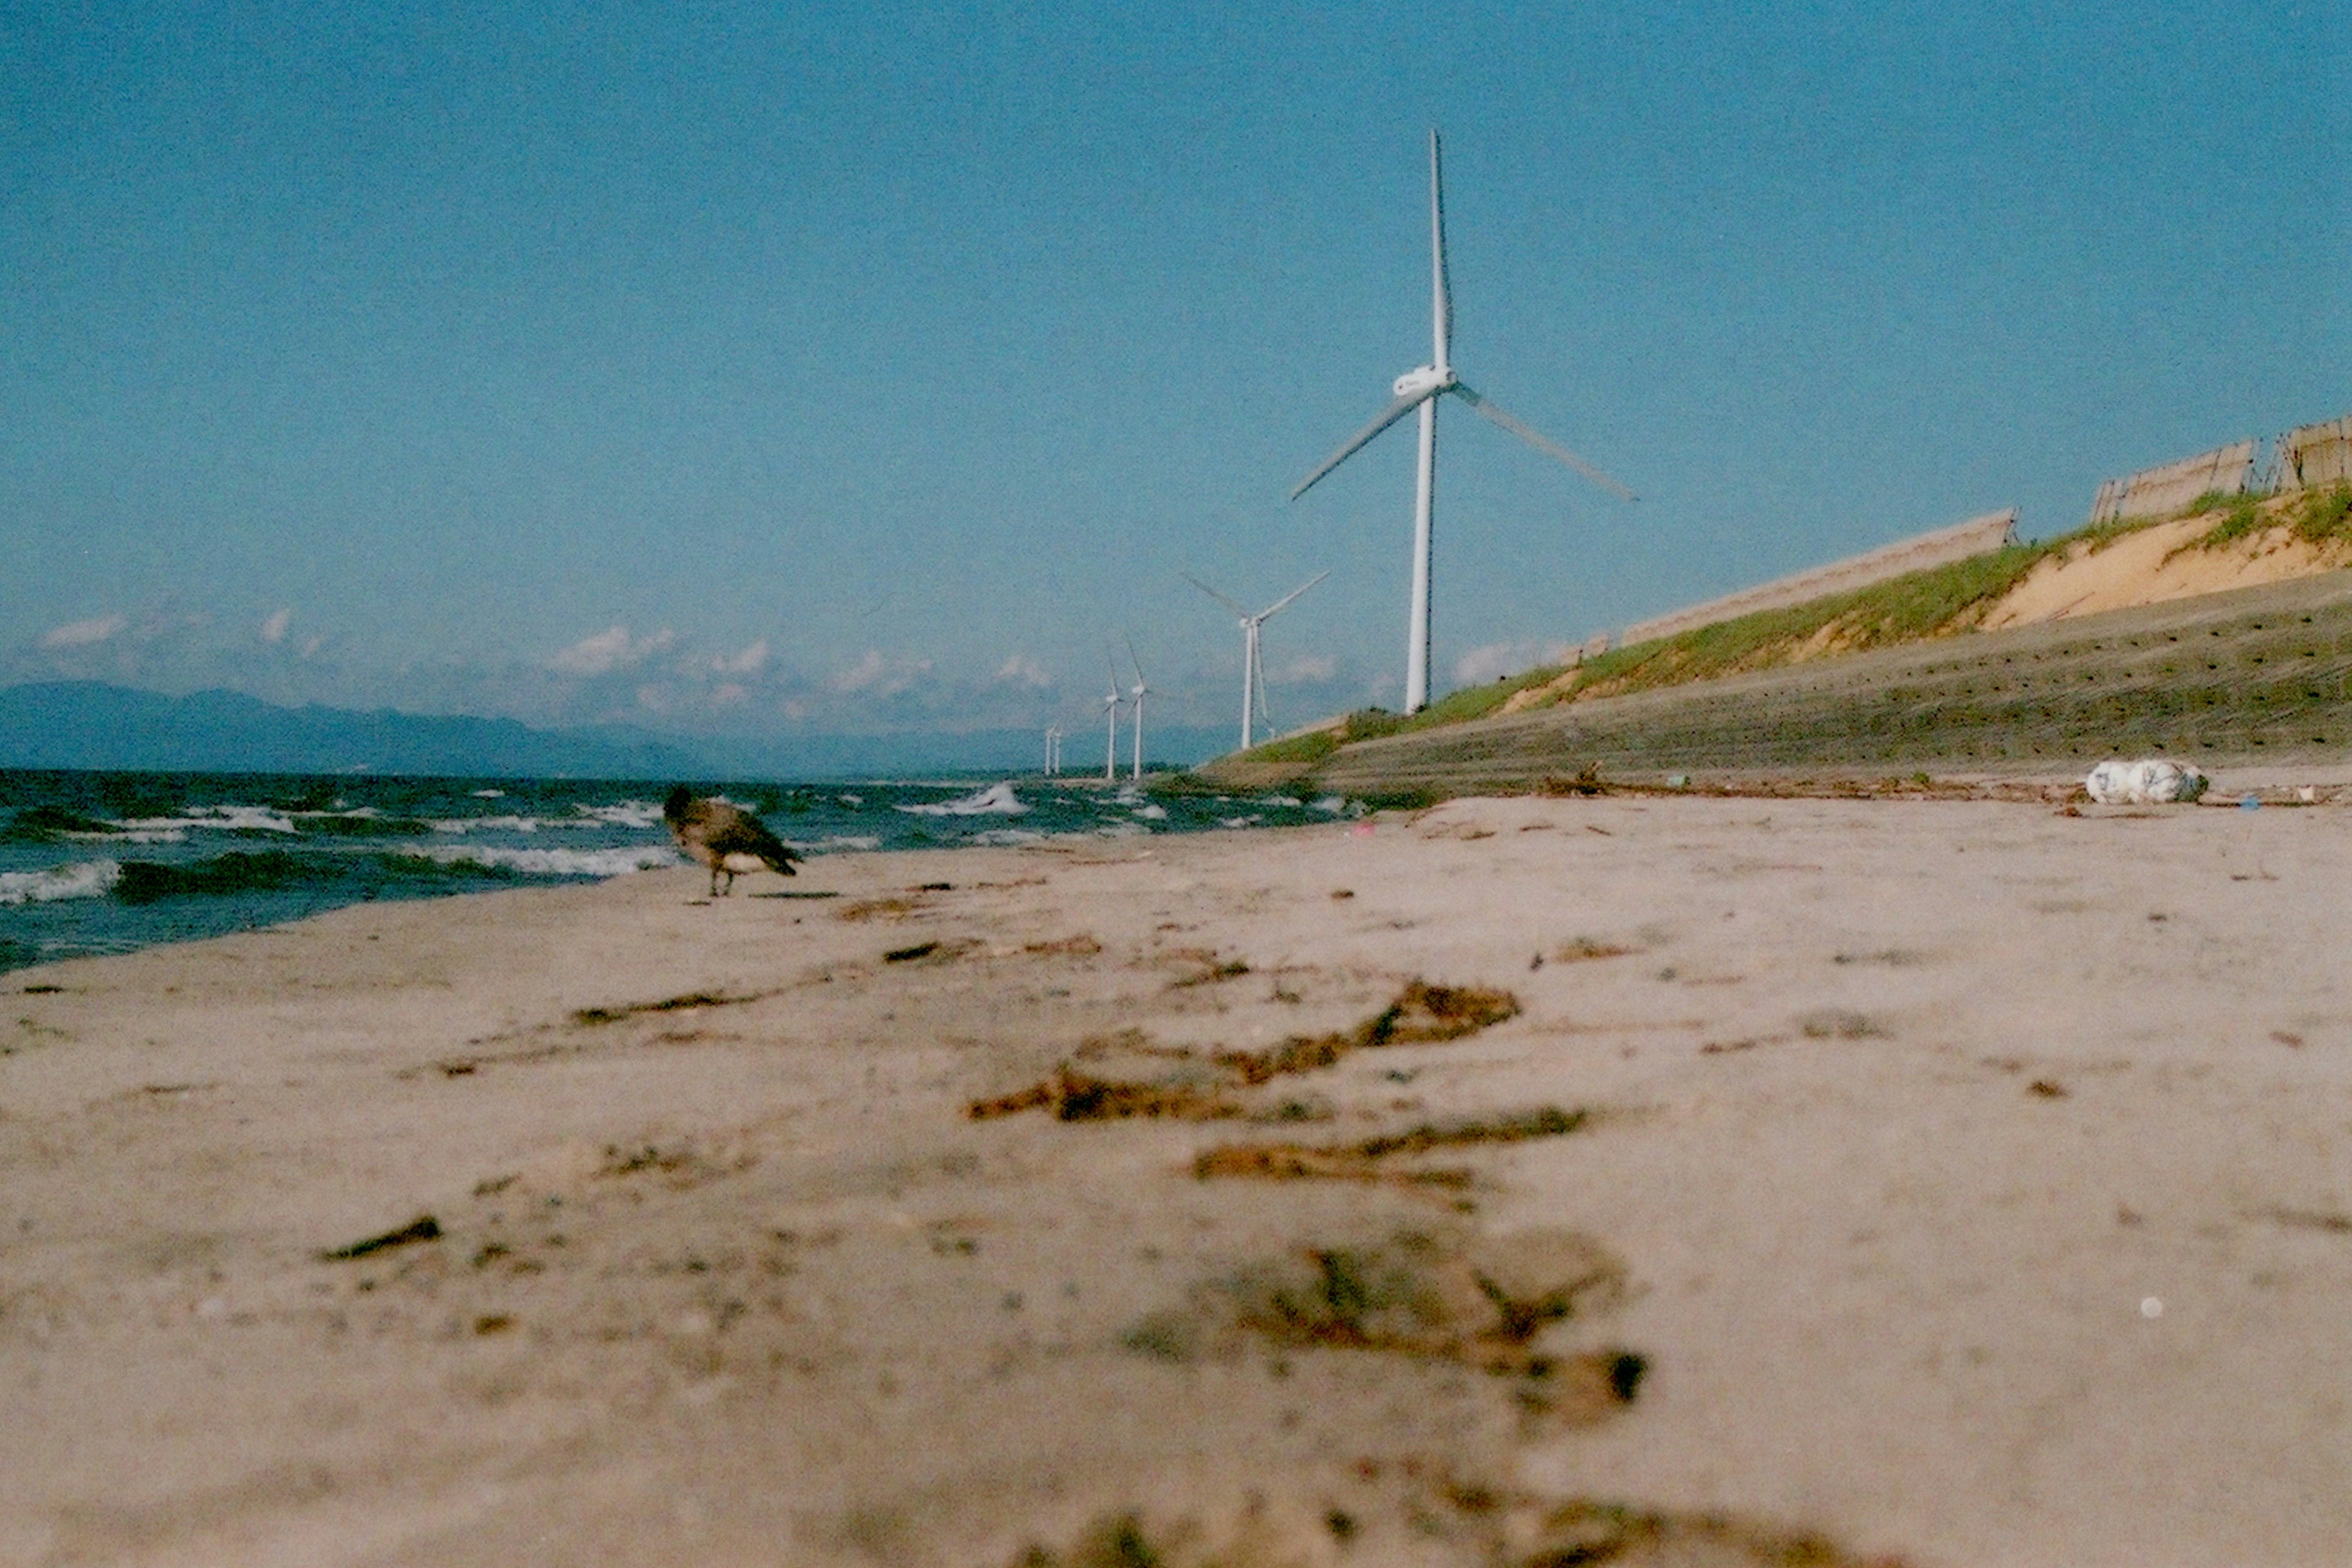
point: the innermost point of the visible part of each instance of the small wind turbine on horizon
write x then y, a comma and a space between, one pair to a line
1421, 388
1136, 692
1253, 672
1110, 715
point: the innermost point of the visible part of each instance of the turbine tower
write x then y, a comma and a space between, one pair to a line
1421, 388
1253, 672
1135, 692
1110, 715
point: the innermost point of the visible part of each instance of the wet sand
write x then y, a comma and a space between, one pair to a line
1691, 1180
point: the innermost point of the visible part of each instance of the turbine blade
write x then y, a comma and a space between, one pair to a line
1278, 604
1441, 297
1133, 661
1387, 416
1547, 447
1212, 593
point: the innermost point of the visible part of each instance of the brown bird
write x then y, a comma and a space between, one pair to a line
726, 838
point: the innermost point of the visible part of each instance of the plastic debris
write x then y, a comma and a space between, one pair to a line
2152, 781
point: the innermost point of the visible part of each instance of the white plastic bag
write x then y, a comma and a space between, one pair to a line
2152, 781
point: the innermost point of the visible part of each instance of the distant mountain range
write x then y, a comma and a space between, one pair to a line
93, 724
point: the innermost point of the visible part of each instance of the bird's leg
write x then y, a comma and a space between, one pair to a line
714, 881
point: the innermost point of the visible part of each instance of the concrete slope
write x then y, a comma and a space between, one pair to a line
2257, 674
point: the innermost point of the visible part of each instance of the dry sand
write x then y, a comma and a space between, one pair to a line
1957, 1183
2157, 565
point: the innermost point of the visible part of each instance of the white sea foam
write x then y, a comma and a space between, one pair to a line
1251, 820
489, 794
626, 814
1005, 838
487, 824
79, 880
131, 836
847, 841
996, 800
851, 799
550, 862
222, 819
1152, 813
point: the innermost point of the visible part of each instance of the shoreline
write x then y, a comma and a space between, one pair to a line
1815, 1182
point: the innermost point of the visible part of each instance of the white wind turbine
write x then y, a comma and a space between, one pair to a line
1110, 716
1421, 388
1135, 692
1253, 672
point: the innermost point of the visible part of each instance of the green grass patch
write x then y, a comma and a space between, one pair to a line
2324, 517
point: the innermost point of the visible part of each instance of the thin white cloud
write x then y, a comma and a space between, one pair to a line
881, 677
273, 630
1305, 668
82, 634
751, 662
608, 650
1022, 670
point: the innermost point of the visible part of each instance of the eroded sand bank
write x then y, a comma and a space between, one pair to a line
1955, 1182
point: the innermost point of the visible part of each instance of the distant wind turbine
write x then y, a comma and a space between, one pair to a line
1421, 388
1110, 716
1136, 691
1252, 673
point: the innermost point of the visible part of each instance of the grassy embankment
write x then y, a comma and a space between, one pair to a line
1941, 601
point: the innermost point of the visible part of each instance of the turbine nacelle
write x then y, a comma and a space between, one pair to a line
1424, 381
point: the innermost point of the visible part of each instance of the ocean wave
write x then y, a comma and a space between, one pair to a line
845, 841
549, 862
509, 824
79, 880
626, 814
1152, 813
265, 871
996, 800
218, 818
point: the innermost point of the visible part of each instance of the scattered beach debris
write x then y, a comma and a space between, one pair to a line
1586, 782
894, 908
1360, 1161
1483, 1301
1838, 1023
1074, 1096
2152, 781
932, 953
1210, 973
1408, 1504
424, 1227
1577, 950
1079, 946
619, 1011
1422, 1013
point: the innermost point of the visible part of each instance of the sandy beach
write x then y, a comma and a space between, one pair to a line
1532, 1181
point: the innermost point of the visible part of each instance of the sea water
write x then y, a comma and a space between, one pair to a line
110, 862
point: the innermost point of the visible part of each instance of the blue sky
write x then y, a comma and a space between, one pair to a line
764, 371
